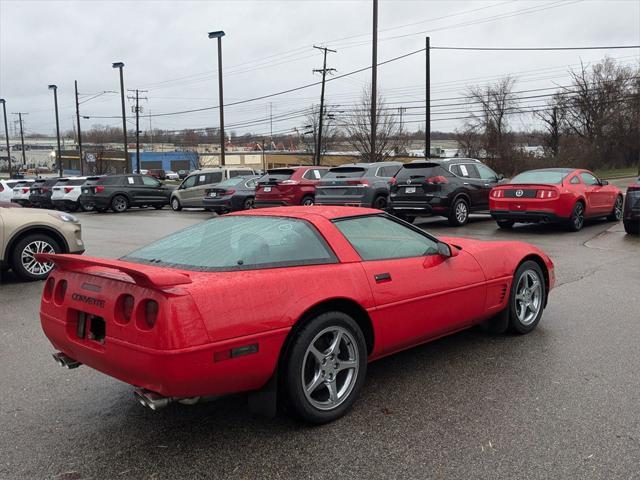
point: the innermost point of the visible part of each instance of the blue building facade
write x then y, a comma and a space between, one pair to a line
165, 160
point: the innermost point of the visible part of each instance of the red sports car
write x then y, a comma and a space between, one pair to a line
288, 186
555, 195
288, 303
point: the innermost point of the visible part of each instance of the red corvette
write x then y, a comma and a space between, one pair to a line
287, 303
555, 195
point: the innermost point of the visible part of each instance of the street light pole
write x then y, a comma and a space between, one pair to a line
6, 132
79, 132
374, 82
58, 153
120, 65
427, 124
219, 34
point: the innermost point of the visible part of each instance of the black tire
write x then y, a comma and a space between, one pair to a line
248, 203
505, 224
158, 207
380, 202
576, 221
459, 212
308, 201
526, 325
119, 204
175, 204
86, 208
632, 227
616, 215
100, 210
27, 272
296, 369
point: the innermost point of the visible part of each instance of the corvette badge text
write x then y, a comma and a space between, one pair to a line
88, 300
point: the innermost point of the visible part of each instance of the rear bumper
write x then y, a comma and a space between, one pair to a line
21, 201
220, 204
64, 203
344, 200
432, 206
528, 216
187, 372
94, 201
40, 201
270, 203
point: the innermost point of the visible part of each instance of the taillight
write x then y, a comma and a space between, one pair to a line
393, 181
25, 190
60, 291
229, 192
633, 187
289, 182
125, 308
497, 193
150, 313
439, 179
46, 189
99, 189
544, 194
1, 188
358, 182
48, 289
68, 189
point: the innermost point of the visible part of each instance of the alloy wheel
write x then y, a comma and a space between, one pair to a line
119, 204
528, 297
29, 261
617, 209
308, 201
330, 368
461, 212
578, 216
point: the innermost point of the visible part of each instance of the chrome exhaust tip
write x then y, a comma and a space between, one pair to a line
65, 361
152, 400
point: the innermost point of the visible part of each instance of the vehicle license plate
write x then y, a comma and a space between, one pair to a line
213, 194
267, 189
410, 190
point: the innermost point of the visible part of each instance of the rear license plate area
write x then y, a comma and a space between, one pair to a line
518, 207
90, 327
267, 189
410, 190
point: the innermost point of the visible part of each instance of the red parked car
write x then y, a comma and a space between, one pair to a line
286, 302
288, 186
555, 195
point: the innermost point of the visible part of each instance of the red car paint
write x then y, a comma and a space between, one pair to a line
552, 202
289, 186
202, 316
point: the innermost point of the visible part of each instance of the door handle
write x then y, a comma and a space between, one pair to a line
382, 277
465, 183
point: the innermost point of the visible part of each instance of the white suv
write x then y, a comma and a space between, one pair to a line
6, 189
66, 193
21, 192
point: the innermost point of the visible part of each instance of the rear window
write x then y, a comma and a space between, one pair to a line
540, 176
424, 170
52, 182
277, 174
345, 172
238, 243
76, 182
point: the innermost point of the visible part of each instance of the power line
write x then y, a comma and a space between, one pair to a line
614, 47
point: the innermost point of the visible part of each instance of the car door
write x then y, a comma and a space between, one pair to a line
184, 189
419, 294
596, 196
153, 191
488, 180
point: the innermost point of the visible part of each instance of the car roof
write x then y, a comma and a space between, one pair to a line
368, 165
559, 170
330, 212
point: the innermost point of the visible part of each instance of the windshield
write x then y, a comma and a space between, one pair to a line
541, 176
344, 172
238, 243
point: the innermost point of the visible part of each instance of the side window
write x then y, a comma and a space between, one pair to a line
575, 180
472, 169
589, 179
239, 173
189, 182
386, 172
323, 172
132, 181
308, 175
455, 169
379, 238
150, 182
213, 177
486, 173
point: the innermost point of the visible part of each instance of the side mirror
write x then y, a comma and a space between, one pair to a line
500, 177
604, 182
446, 250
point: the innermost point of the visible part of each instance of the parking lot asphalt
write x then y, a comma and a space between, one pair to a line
561, 402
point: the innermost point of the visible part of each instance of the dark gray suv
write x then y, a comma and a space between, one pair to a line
357, 184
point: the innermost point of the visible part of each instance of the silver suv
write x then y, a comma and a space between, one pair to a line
191, 191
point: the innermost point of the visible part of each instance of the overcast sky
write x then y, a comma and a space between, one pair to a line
268, 48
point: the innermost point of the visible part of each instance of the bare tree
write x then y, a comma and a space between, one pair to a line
309, 134
358, 129
553, 120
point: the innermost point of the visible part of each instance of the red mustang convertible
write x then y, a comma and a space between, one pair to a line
287, 303
555, 195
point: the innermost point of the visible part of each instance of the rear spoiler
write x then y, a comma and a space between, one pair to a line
143, 275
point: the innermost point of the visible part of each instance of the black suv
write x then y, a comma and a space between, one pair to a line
119, 192
41, 191
357, 184
452, 188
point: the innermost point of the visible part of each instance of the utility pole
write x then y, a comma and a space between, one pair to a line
324, 71
427, 125
24, 157
6, 133
271, 120
120, 66
374, 81
59, 152
79, 131
218, 35
137, 110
